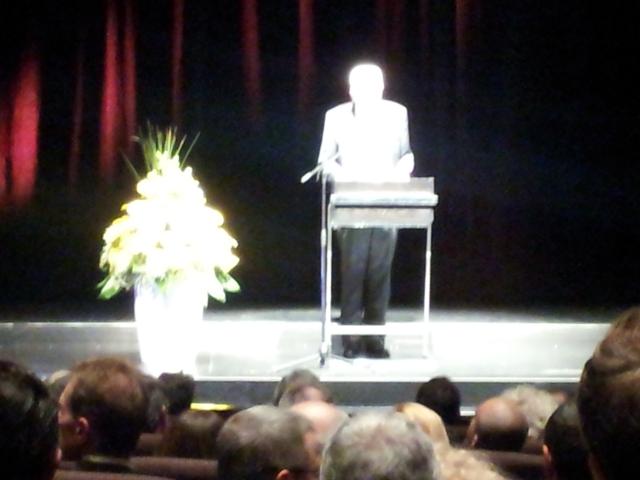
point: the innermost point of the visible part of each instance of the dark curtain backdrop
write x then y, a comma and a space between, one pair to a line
525, 113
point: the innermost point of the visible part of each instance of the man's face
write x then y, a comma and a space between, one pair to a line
366, 94
366, 85
73, 431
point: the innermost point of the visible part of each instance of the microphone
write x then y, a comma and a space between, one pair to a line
316, 171
319, 168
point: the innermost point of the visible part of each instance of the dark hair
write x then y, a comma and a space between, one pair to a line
28, 425
109, 394
179, 388
259, 442
442, 396
157, 404
191, 435
563, 438
300, 376
298, 392
609, 398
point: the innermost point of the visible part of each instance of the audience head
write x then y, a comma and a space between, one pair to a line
428, 420
56, 382
536, 404
442, 396
266, 442
564, 449
609, 400
461, 464
300, 392
157, 405
325, 417
28, 426
299, 376
373, 446
179, 388
102, 409
192, 435
498, 425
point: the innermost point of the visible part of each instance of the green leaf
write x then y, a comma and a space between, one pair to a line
108, 288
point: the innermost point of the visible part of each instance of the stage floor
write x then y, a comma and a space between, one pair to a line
241, 354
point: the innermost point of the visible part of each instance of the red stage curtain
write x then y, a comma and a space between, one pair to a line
390, 27
109, 110
306, 56
423, 14
76, 126
397, 30
381, 25
176, 62
464, 15
129, 78
251, 57
4, 145
25, 119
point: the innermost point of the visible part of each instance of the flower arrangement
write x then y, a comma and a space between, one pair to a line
169, 234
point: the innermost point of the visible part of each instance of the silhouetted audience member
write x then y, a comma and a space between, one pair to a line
300, 376
609, 401
28, 426
428, 420
179, 388
325, 417
103, 410
460, 464
564, 450
300, 392
192, 435
443, 397
374, 446
157, 405
267, 442
498, 425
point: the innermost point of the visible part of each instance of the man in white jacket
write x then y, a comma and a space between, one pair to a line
366, 140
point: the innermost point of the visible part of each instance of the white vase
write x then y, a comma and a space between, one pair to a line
169, 322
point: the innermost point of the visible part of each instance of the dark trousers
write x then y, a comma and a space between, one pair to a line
366, 255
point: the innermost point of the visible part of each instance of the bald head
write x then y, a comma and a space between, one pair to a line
325, 417
499, 425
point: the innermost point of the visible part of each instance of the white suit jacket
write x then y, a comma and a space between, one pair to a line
367, 149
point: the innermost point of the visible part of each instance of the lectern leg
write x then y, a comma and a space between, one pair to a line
325, 347
426, 336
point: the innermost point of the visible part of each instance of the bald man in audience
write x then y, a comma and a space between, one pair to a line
498, 425
325, 417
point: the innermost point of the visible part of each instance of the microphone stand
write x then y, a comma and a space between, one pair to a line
320, 172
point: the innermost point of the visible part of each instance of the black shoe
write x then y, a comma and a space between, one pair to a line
350, 352
352, 347
378, 352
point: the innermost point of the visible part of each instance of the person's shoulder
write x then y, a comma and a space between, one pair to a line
394, 107
341, 109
